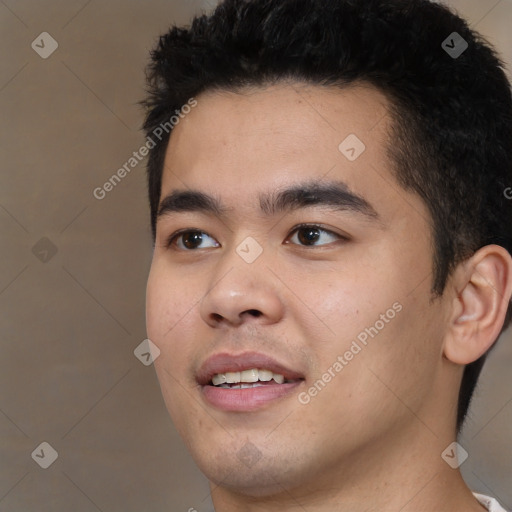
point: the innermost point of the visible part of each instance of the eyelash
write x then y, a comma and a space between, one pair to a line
172, 238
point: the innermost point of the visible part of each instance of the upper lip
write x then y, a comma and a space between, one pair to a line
223, 362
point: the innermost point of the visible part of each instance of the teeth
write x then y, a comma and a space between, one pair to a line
247, 376
242, 386
278, 378
232, 377
219, 379
265, 375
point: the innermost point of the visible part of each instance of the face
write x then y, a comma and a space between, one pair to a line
285, 245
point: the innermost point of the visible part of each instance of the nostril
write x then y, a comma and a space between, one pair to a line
254, 312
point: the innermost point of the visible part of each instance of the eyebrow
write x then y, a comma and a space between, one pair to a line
334, 195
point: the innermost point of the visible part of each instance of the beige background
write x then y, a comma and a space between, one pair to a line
69, 325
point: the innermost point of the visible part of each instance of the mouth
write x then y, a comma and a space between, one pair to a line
245, 382
245, 379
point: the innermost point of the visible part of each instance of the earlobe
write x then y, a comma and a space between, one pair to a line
483, 286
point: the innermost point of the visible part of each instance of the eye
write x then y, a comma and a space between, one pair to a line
310, 234
191, 239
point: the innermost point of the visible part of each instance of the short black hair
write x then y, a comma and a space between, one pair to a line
451, 134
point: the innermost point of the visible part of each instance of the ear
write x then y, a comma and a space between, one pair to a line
482, 287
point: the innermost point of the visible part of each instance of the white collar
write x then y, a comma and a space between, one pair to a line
490, 503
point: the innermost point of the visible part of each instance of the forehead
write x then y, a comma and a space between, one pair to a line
238, 145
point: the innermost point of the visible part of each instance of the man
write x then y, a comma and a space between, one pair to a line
332, 248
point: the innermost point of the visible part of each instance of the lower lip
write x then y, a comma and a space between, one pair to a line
248, 399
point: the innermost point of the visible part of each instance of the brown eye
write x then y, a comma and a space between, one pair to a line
309, 235
191, 239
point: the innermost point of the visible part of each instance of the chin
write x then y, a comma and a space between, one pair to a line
249, 482
255, 478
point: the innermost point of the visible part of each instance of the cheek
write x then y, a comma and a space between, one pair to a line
169, 306
370, 316
339, 303
171, 302
401, 353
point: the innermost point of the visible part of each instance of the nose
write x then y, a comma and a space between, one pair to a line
242, 292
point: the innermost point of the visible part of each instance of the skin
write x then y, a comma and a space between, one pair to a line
372, 438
